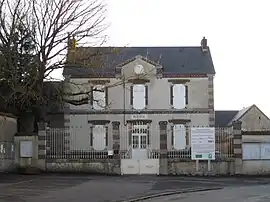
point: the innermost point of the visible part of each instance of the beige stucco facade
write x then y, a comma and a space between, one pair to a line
159, 93
197, 111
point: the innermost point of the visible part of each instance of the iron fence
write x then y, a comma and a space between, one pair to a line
63, 143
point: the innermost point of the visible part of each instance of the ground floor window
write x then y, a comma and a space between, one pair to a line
99, 137
179, 136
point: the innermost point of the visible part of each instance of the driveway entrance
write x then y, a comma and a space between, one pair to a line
140, 161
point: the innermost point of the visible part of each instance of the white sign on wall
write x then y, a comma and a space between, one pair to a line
202, 143
139, 116
26, 149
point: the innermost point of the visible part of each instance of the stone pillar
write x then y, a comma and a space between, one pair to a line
116, 136
211, 101
26, 164
163, 161
237, 147
116, 147
42, 145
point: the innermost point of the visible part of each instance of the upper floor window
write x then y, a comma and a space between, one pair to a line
139, 96
99, 99
179, 96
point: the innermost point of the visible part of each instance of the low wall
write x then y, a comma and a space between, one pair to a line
98, 166
256, 167
6, 165
188, 167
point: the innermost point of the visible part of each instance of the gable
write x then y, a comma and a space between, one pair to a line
174, 60
239, 114
252, 118
127, 69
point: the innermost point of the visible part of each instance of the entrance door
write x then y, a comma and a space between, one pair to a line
139, 142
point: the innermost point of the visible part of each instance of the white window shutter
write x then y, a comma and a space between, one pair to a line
179, 131
99, 134
179, 96
139, 96
99, 97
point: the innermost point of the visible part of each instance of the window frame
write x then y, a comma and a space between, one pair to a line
105, 136
172, 95
132, 95
105, 91
186, 135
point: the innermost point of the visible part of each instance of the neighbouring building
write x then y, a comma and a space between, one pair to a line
252, 118
8, 129
143, 98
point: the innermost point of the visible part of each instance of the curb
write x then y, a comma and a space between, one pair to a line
168, 193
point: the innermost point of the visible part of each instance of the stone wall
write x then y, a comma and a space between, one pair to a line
94, 166
180, 167
167, 166
256, 167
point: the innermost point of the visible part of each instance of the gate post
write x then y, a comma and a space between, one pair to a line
163, 161
42, 145
116, 146
237, 147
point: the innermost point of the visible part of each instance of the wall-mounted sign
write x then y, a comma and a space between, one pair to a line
26, 149
139, 116
110, 152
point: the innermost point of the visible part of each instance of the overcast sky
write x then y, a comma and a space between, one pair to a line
237, 31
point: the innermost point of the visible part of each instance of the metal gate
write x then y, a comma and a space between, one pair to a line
138, 157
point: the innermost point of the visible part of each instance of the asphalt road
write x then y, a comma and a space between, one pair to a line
243, 194
69, 188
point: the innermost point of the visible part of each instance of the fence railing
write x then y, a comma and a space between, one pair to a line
62, 143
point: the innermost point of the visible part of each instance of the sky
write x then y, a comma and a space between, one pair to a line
238, 35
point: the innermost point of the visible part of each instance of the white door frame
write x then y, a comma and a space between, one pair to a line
139, 161
139, 141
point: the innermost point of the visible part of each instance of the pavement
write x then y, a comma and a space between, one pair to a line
85, 188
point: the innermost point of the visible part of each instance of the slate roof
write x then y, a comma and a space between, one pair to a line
223, 117
240, 114
174, 60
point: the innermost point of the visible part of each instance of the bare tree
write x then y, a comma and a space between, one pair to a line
47, 26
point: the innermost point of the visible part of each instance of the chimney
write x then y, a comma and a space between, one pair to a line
204, 44
71, 48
